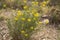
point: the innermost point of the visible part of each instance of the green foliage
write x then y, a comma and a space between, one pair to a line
22, 25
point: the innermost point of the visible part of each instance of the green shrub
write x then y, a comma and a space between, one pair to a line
22, 25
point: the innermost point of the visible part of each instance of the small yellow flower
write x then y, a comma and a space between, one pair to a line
23, 19
34, 18
4, 5
32, 27
19, 13
40, 22
36, 14
26, 35
16, 18
46, 21
29, 20
33, 11
35, 3
44, 3
25, 1
25, 7
22, 31
12, 0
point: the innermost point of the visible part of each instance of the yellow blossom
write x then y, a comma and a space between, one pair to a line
36, 14
29, 20
33, 11
32, 27
35, 3
25, 7
23, 19
12, 0
16, 18
34, 18
19, 13
4, 5
46, 21
40, 22
22, 31
26, 35
25, 1
43, 3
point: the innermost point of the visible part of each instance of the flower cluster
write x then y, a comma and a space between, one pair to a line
25, 21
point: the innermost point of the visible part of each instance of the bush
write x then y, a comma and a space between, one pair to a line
22, 25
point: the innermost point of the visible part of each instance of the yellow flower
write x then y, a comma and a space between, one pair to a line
33, 11
22, 31
4, 5
29, 20
46, 21
35, 3
43, 3
25, 7
40, 22
36, 14
23, 19
26, 35
25, 1
34, 18
16, 18
32, 27
19, 13
12, 0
